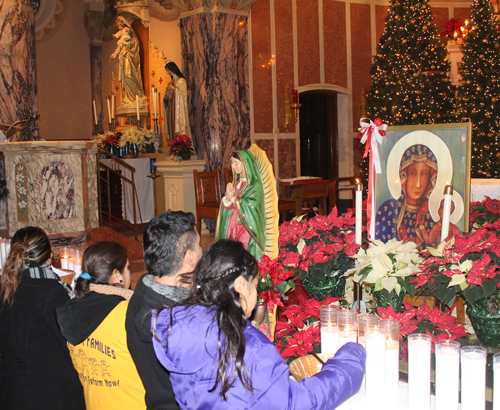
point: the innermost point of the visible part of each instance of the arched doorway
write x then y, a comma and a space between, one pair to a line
319, 134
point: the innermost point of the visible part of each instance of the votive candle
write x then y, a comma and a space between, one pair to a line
447, 371
363, 321
347, 321
419, 371
391, 355
329, 329
473, 372
375, 360
64, 258
3, 250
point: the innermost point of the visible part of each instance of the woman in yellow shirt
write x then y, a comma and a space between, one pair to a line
93, 322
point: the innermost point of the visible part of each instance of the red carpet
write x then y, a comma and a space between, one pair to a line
134, 248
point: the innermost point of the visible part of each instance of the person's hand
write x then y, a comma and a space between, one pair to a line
114, 54
230, 191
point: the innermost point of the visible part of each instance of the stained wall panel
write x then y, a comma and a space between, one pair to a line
287, 158
462, 13
441, 16
334, 28
308, 41
380, 15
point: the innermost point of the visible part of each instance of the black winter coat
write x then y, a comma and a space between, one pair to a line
36, 371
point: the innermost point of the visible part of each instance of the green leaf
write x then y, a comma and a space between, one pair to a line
473, 293
489, 287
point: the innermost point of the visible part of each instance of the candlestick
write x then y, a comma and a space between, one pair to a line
113, 106
419, 371
137, 107
329, 329
447, 371
295, 94
95, 112
375, 360
109, 110
496, 381
391, 356
347, 322
445, 223
473, 373
359, 211
3, 256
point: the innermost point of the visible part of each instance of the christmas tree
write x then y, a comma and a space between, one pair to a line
410, 83
479, 91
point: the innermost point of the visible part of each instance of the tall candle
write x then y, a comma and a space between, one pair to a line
137, 106
473, 372
64, 258
359, 211
391, 356
445, 223
447, 371
109, 110
3, 252
419, 371
95, 112
375, 360
329, 329
155, 102
7, 248
496, 381
113, 106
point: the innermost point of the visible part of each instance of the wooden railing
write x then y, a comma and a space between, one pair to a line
105, 181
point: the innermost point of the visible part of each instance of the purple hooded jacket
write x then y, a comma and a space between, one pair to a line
191, 357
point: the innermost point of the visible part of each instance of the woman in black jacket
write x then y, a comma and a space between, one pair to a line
36, 371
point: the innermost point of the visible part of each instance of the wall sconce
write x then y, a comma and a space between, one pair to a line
291, 104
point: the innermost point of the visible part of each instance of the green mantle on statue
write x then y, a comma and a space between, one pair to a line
256, 204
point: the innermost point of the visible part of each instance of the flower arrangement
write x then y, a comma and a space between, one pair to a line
387, 267
130, 136
181, 147
107, 139
300, 333
452, 29
319, 251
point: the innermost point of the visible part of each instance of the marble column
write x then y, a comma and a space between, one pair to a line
18, 87
215, 64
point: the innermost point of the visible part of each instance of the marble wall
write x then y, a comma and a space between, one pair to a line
215, 61
53, 186
17, 68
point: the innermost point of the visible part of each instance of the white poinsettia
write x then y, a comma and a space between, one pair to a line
382, 263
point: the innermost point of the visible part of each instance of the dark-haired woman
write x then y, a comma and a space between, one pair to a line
35, 367
93, 322
218, 360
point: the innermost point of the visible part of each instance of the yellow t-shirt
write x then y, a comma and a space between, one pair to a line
106, 369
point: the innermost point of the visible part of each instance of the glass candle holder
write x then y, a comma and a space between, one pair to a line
70, 259
447, 372
391, 327
419, 371
375, 359
364, 320
348, 322
473, 372
496, 381
64, 255
329, 329
77, 261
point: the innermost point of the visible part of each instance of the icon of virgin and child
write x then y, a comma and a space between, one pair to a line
415, 211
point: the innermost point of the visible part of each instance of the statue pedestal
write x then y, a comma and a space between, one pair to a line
179, 183
52, 185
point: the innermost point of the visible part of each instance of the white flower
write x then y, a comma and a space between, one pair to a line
20, 176
22, 204
21, 190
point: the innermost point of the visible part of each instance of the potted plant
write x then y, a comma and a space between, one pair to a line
386, 267
181, 147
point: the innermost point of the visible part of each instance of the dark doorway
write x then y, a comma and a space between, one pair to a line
318, 135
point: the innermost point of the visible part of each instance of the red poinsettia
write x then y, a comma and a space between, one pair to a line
302, 342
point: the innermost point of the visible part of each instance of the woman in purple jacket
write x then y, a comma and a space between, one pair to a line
218, 360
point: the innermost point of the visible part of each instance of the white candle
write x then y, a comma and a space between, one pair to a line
113, 106
64, 262
71, 265
7, 248
496, 381
445, 223
77, 268
359, 212
447, 371
419, 371
473, 372
109, 110
375, 362
95, 112
391, 366
347, 322
154, 102
3, 251
137, 106
329, 340
346, 336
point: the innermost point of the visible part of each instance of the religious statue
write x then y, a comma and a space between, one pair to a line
176, 103
249, 209
129, 65
408, 218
